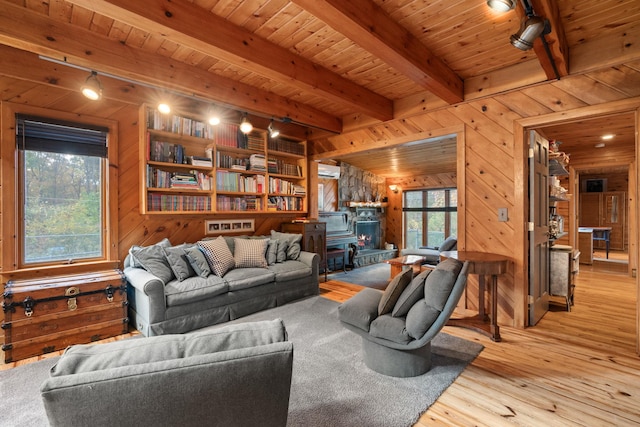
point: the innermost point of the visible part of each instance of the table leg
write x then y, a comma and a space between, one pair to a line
395, 270
495, 329
481, 291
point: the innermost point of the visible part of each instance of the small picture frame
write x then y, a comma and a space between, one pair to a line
224, 226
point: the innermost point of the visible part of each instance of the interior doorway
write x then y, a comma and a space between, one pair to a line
591, 158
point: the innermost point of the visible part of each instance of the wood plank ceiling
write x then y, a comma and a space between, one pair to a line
317, 63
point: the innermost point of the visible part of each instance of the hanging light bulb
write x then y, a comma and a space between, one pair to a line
273, 132
92, 88
214, 120
245, 124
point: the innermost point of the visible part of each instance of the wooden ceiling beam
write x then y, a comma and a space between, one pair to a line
34, 32
556, 40
374, 30
191, 26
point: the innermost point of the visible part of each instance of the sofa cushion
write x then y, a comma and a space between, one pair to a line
438, 285
88, 358
194, 289
177, 259
449, 244
250, 253
293, 242
413, 293
290, 270
437, 289
152, 259
394, 290
281, 251
361, 309
197, 260
390, 328
272, 252
165, 243
243, 278
218, 255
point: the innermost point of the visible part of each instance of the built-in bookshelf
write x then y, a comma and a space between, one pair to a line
189, 166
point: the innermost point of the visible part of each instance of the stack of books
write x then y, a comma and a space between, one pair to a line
257, 162
199, 161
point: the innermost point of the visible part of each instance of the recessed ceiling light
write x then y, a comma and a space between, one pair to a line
607, 137
600, 145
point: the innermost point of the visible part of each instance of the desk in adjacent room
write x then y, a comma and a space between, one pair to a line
598, 233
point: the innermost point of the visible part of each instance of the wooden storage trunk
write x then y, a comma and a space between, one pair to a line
50, 313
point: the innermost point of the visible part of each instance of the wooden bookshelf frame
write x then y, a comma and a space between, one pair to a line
205, 201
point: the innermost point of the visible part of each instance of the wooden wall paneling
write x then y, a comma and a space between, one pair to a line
330, 194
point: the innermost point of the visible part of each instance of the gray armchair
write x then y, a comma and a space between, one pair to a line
238, 375
397, 325
432, 254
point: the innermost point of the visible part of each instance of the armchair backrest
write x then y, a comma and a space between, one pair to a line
448, 308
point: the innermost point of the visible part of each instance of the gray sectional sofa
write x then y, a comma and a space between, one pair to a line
175, 289
236, 375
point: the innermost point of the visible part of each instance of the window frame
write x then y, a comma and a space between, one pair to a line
12, 224
447, 209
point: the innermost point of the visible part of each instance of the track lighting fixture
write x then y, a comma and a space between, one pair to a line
245, 124
273, 132
530, 29
164, 108
501, 5
92, 88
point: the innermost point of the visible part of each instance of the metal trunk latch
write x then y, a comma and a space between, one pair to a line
72, 303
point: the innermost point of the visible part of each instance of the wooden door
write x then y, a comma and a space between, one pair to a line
539, 227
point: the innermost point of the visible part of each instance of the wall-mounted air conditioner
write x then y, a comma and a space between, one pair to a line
328, 171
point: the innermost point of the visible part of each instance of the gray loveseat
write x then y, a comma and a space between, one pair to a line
175, 289
432, 254
236, 375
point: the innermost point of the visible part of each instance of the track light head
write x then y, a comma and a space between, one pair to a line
530, 29
245, 124
92, 88
273, 132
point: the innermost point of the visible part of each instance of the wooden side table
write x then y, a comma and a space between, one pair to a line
483, 264
398, 264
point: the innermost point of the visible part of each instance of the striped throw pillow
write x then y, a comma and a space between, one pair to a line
218, 255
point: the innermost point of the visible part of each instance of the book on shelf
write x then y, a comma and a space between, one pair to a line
199, 161
167, 152
286, 146
178, 125
157, 202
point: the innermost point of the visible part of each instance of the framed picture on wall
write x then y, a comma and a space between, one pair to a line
224, 226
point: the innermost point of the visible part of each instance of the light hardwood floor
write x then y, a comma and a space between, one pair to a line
575, 368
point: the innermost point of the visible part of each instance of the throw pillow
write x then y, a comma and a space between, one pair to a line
449, 244
218, 255
272, 252
281, 252
293, 243
393, 291
152, 259
197, 260
411, 295
178, 262
250, 253
165, 243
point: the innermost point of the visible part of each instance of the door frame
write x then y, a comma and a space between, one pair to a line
521, 145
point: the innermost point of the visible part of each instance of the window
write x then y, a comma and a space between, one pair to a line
62, 186
430, 216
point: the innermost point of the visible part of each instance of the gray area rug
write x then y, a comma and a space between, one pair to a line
371, 276
331, 385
